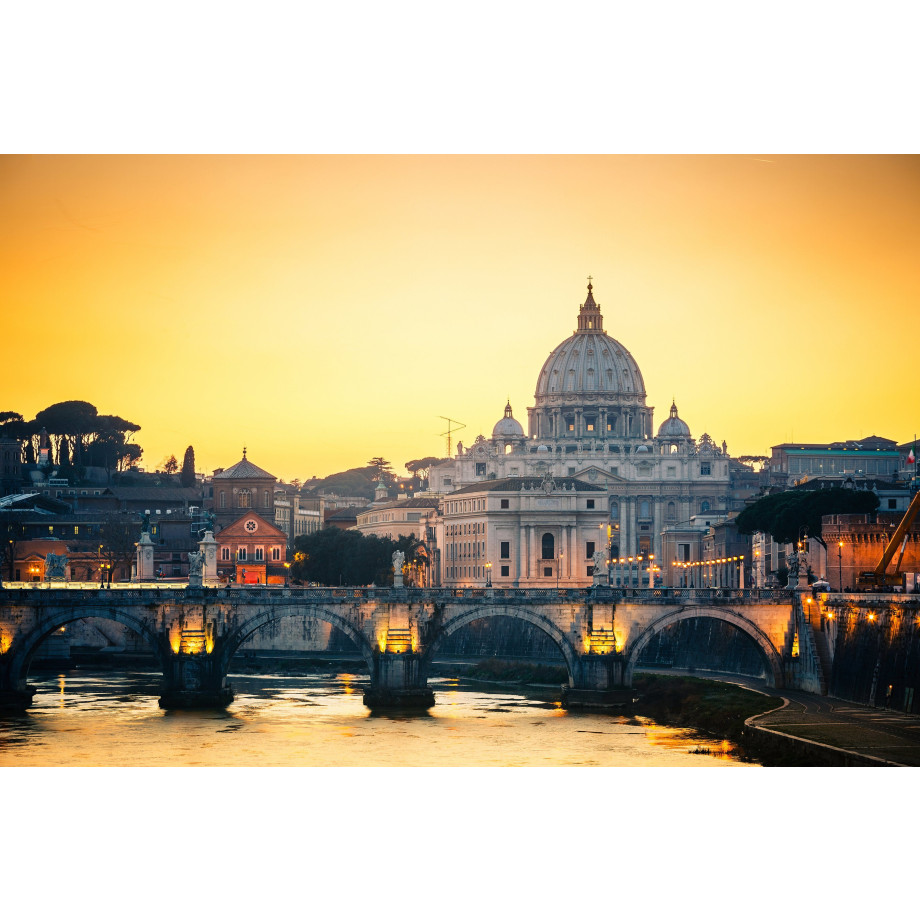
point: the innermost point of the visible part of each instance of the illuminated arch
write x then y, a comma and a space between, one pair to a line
232, 641
482, 613
762, 641
23, 649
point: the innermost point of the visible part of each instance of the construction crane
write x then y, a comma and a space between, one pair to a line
879, 577
450, 431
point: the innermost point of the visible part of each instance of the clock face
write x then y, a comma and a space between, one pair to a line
250, 526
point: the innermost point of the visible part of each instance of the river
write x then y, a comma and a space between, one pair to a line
103, 718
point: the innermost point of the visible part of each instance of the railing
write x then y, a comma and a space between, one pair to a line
278, 593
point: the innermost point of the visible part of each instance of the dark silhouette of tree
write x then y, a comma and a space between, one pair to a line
421, 468
333, 556
187, 477
64, 453
383, 469
74, 418
12, 533
786, 516
118, 535
171, 465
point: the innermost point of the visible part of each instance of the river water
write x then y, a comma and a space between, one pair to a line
100, 718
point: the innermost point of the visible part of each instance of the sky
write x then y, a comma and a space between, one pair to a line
321, 310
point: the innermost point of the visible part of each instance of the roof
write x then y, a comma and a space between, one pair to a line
405, 503
164, 493
33, 501
245, 469
517, 484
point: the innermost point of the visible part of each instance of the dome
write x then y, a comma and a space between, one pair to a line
674, 426
508, 426
590, 363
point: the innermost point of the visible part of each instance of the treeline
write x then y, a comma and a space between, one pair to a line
346, 557
77, 436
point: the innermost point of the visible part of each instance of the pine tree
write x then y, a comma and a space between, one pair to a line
188, 467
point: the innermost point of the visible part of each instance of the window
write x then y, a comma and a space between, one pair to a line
244, 499
672, 472
704, 507
683, 552
223, 499
266, 498
705, 469
225, 553
571, 471
589, 424
615, 511
241, 553
504, 503
547, 571
505, 549
590, 503
480, 469
615, 470
505, 571
548, 546
590, 571
589, 550
892, 503
672, 511
645, 509
260, 556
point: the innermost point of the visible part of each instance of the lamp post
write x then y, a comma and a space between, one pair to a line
287, 573
559, 567
488, 574
840, 566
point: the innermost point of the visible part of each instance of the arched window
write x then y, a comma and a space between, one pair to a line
266, 498
614, 511
223, 499
704, 507
548, 546
672, 511
244, 499
645, 508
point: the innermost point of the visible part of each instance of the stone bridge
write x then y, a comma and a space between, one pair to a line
196, 631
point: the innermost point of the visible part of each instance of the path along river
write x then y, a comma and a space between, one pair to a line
96, 718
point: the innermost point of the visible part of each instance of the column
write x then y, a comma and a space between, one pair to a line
532, 556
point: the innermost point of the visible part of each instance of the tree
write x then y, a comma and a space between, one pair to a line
118, 536
333, 556
74, 418
170, 465
187, 477
109, 447
786, 516
64, 453
383, 468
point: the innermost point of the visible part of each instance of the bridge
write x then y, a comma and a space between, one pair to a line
194, 631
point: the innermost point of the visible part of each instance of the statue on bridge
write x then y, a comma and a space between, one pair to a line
55, 567
600, 563
194, 564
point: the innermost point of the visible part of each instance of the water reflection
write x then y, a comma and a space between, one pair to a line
105, 718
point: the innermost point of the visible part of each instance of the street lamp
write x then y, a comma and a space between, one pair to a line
559, 567
287, 572
840, 565
488, 574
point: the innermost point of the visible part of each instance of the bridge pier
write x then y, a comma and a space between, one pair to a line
16, 700
194, 682
396, 683
597, 683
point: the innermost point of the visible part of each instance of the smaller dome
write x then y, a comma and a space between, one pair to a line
674, 426
508, 426
643, 449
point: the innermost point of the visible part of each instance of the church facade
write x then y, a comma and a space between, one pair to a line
590, 425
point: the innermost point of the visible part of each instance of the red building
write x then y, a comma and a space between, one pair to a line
252, 551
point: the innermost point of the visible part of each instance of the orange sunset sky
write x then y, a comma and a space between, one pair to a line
322, 310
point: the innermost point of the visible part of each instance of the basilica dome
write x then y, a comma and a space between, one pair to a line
508, 426
590, 363
674, 426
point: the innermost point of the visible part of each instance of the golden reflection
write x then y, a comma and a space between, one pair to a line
5, 643
346, 682
398, 641
61, 684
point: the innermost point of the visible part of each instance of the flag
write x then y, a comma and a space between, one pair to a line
910, 457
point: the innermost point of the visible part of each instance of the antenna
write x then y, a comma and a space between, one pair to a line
450, 430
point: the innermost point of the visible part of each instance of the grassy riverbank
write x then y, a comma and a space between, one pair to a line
710, 706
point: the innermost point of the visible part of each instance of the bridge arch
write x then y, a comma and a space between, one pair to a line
234, 639
23, 649
752, 630
452, 623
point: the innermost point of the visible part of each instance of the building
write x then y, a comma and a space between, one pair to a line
241, 488
870, 457
522, 532
252, 551
590, 423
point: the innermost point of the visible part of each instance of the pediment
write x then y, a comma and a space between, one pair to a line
596, 476
264, 529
